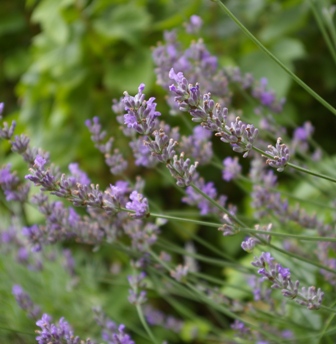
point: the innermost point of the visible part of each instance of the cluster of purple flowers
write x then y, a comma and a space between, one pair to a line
57, 333
281, 279
25, 302
119, 213
213, 117
111, 332
155, 317
242, 331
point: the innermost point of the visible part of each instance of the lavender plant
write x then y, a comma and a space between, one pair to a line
275, 284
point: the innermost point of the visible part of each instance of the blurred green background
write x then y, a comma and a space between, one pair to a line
63, 61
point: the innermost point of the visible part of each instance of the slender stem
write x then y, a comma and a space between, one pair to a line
312, 173
303, 259
329, 309
326, 325
205, 299
285, 193
145, 325
247, 230
274, 58
320, 23
270, 245
298, 168
328, 17
286, 235
229, 313
183, 219
212, 201
211, 261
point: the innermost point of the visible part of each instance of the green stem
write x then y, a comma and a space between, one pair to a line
284, 193
247, 230
263, 241
286, 235
211, 261
328, 16
320, 23
329, 309
145, 325
298, 168
212, 201
274, 58
183, 219
205, 299
326, 325
303, 259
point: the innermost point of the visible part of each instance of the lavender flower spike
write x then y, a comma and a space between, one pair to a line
20, 143
281, 279
141, 114
56, 333
181, 90
180, 273
110, 332
122, 337
138, 204
137, 295
240, 136
194, 25
25, 302
232, 168
280, 154
40, 176
7, 131
182, 170
162, 147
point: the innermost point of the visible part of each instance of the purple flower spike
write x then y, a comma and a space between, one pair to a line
182, 170
281, 279
249, 244
122, 337
2, 106
232, 168
80, 176
141, 114
194, 25
7, 131
180, 273
162, 147
40, 162
10, 183
283, 272
266, 97
114, 159
57, 333
40, 176
20, 144
240, 135
280, 154
137, 295
25, 302
138, 204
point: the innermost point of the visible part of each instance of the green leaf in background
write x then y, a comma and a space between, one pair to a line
288, 49
11, 23
289, 17
124, 22
16, 64
47, 14
135, 68
256, 62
